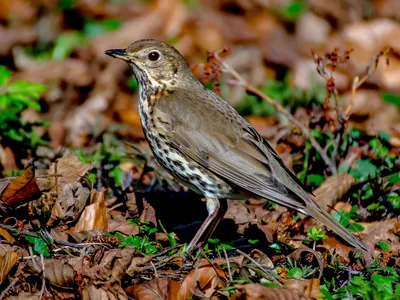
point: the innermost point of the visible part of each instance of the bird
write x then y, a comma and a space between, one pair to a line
201, 140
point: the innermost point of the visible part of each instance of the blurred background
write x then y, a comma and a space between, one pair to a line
91, 98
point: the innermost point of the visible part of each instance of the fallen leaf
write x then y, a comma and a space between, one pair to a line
148, 213
202, 281
106, 273
95, 215
4, 233
332, 190
26, 296
69, 204
22, 188
137, 264
8, 259
158, 288
71, 169
258, 291
57, 271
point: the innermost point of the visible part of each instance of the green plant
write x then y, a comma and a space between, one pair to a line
291, 10
297, 272
15, 97
142, 240
344, 219
106, 157
215, 246
316, 234
380, 286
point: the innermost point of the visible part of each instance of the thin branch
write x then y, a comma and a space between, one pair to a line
33, 234
357, 82
227, 264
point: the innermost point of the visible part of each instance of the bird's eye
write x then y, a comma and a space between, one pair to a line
154, 55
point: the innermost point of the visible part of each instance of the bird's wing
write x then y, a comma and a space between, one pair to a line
212, 133
215, 136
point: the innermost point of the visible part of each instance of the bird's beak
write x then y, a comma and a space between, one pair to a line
118, 53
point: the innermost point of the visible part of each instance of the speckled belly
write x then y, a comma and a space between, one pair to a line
189, 172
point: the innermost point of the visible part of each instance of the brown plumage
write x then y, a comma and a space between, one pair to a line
201, 140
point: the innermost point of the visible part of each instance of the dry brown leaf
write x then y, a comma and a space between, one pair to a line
137, 264
8, 259
148, 213
7, 159
202, 281
313, 289
4, 233
332, 190
21, 189
380, 231
258, 291
117, 224
71, 169
239, 213
15, 36
108, 272
111, 292
69, 204
26, 296
95, 215
57, 271
269, 230
158, 288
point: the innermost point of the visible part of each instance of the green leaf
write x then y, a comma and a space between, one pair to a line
364, 169
344, 219
384, 284
326, 294
25, 88
213, 241
315, 179
93, 28
384, 246
391, 98
5, 75
39, 246
66, 43
394, 200
292, 10
253, 242
66, 4
133, 84
296, 273
316, 234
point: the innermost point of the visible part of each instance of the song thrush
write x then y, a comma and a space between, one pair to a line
202, 141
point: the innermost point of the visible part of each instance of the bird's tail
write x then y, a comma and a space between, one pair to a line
322, 216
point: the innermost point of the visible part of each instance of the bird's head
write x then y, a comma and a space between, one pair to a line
155, 63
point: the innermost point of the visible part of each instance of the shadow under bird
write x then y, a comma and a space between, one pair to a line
203, 141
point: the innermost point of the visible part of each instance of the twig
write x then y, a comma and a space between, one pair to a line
33, 234
279, 108
345, 116
227, 264
43, 278
357, 82
10, 286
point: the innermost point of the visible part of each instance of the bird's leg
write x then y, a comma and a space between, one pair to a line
216, 210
